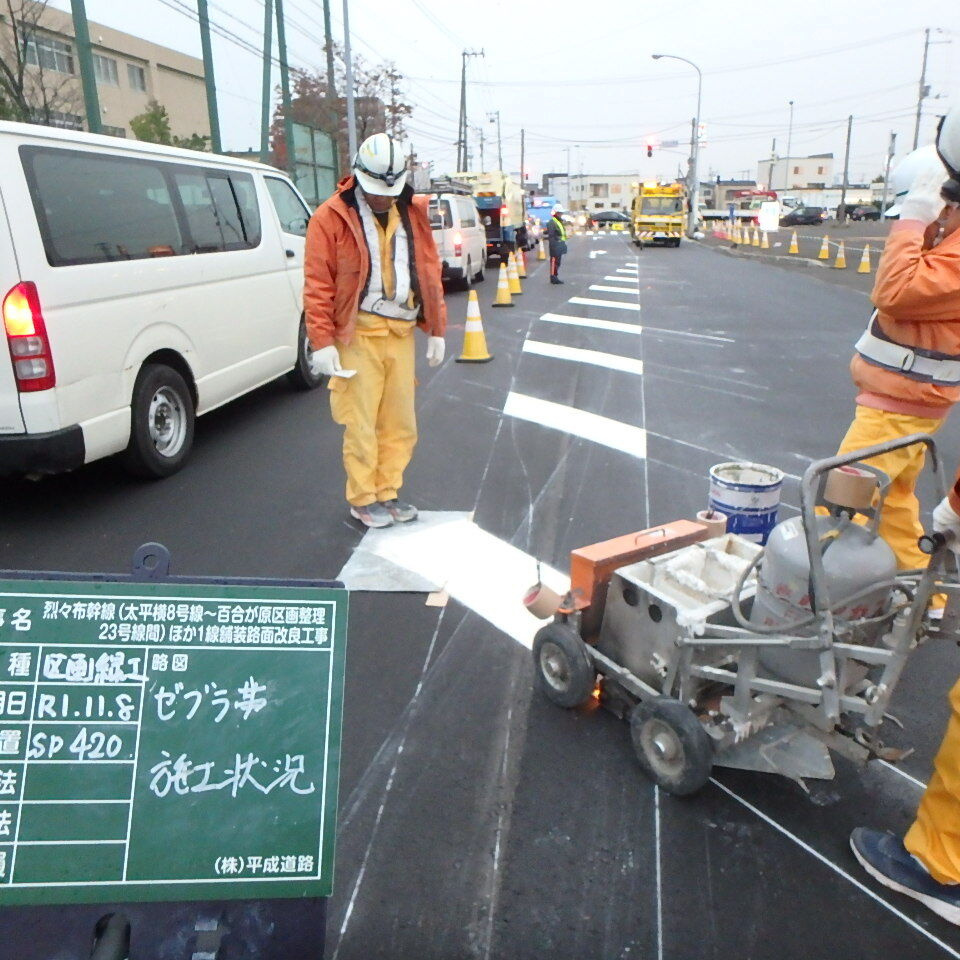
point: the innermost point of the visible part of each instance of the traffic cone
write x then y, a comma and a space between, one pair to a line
736, 233
522, 264
513, 277
824, 253
755, 240
865, 260
794, 246
474, 342
541, 250
764, 241
503, 298
841, 262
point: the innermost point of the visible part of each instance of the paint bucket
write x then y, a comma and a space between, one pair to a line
541, 601
714, 521
749, 494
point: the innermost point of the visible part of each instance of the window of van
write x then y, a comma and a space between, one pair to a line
440, 216
213, 213
468, 214
293, 215
94, 208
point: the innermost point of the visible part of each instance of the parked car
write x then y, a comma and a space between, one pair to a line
610, 216
460, 237
142, 286
803, 216
867, 212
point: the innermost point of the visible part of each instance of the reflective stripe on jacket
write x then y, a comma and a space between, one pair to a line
336, 267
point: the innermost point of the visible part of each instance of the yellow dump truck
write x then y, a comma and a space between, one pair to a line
658, 213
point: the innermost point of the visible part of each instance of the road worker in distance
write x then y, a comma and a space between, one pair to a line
557, 237
372, 274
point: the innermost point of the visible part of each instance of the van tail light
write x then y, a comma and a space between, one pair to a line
27, 339
504, 211
457, 244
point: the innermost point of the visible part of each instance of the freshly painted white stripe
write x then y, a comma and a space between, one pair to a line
839, 870
606, 289
611, 361
622, 279
481, 571
628, 269
616, 304
611, 325
590, 426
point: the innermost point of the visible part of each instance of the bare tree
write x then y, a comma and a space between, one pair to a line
31, 90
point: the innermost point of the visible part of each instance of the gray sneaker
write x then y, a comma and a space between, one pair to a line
373, 515
400, 511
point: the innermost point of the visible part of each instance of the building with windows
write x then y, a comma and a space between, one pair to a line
130, 72
793, 173
593, 192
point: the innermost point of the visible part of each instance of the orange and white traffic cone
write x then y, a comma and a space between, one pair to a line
474, 341
513, 277
841, 262
541, 250
764, 241
865, 260
522, 264
755, 239
503, 298
794, 246
824, 253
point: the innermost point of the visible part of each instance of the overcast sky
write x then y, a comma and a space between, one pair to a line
580, 75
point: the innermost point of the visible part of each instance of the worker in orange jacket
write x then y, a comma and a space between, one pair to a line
907, 364
371, 274
925, 864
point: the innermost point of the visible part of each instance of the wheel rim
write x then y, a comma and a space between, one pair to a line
555, 666
662, 748
167, 422
310, 357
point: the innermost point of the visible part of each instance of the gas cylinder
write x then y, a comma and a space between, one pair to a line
854, 559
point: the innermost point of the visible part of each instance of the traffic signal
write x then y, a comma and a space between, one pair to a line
649, 149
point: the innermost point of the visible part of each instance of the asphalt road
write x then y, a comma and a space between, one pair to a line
477, 820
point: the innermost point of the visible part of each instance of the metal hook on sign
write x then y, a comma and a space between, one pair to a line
151, 561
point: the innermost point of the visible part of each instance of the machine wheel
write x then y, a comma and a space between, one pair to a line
564, 670
161, 423
671, 745
304, 375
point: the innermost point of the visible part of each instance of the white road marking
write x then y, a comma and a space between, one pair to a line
611, 325
837, 869
903, 773
481, 571
605, 289
591, 426
628, 268
616, 304
611, 361
659, 870
596, 253
622, 279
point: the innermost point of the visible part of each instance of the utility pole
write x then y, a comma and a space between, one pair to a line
351, 106
924, 89
328, 48
208, 77
568, 204
265, 92
81, 32
523, 178
285, 93
786, 176
490, 117
886, 172
462, 126
483, 163
842, 208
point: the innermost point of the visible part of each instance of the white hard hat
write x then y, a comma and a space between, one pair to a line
557, 208
913, 165
380, 167
948, 147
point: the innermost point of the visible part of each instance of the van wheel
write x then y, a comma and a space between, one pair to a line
466, 281
478, 276
161, 423
304, 375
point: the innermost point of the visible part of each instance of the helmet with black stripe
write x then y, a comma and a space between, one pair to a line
380, 167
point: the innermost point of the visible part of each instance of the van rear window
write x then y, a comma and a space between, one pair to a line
93, 208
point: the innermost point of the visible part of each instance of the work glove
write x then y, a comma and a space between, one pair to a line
328, 360
924, 202
946, 520
436, 348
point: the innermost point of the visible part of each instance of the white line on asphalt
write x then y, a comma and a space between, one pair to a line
632, 271
591, 426
622, 279
611, 325
605, 289
837, 869
611, 361
616, 304
659, 870
904, 774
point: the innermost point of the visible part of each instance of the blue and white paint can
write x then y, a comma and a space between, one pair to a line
749, 494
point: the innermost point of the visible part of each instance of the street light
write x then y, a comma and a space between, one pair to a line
695, 153
786, 176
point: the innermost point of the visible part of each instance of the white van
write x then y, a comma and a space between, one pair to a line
460, 237
141, 286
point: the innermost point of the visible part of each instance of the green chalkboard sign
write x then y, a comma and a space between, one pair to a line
166, 741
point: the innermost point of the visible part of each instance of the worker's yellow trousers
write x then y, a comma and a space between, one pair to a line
900, 519
935, 835
376, 410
